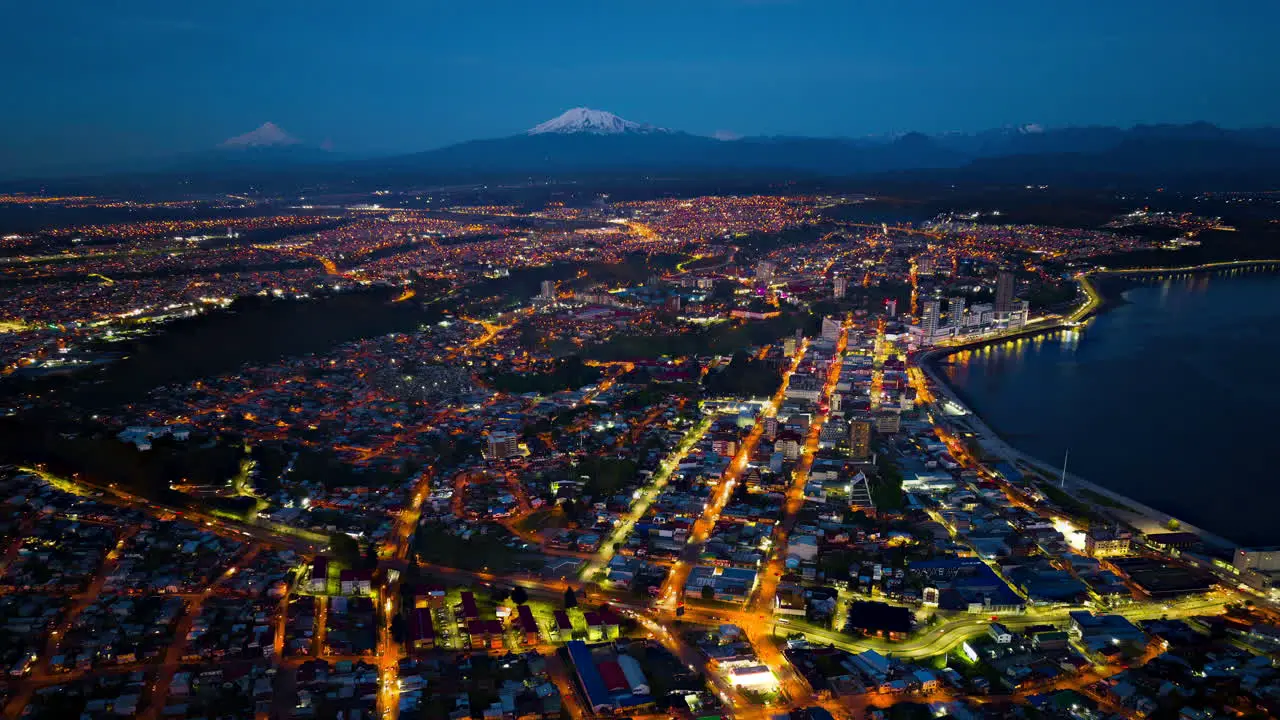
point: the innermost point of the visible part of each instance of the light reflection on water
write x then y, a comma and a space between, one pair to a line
1167, 398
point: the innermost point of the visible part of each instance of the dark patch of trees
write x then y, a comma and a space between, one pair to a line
744, 376
605, 475
716, 340
567, 373
102, 459
253, 329
1215, 246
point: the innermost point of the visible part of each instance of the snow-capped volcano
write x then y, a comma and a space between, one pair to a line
593, 122
267, 135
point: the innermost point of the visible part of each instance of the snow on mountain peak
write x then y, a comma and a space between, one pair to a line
594, 122
267, 135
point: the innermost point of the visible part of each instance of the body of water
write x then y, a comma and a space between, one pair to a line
1170, 399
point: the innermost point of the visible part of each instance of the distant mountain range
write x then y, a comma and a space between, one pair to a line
581, 120
586, 141
268, 134
592, 141
266, 147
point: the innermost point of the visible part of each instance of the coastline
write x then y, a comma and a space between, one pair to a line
1102, 293
1145, 519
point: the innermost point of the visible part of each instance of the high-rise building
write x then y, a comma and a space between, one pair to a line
1018, 314
891, 307
860, 438
930, 316
764, 270
770, 427
888, 422
841, 286
833, 433
1004, 291
860, 492
955, 311
503, 445
830, 328
924, 266
548, 290
1266, 559
979, 314
1106, 542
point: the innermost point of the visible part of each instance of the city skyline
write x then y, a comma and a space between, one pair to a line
697, 454
598, 360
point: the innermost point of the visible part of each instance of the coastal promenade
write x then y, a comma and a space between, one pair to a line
1141, 516
1214, 266
1096, 301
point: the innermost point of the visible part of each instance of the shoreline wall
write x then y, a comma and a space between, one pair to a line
1097, 300
1147, 519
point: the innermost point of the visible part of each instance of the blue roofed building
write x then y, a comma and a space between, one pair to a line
729, 584
609, 681
967, 584
589, 678
1101, 632
1046, 585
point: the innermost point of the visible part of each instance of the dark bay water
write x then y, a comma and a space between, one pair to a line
1171, 399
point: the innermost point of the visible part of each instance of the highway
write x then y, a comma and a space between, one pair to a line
947, 636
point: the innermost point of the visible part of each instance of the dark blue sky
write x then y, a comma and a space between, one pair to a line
97, 80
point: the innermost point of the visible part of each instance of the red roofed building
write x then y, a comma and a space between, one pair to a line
563, 627
526, 625
614, 679
609, 618
478, 630
494, 630
422, 633
467, 609
356, 582
319, 575
724, 443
